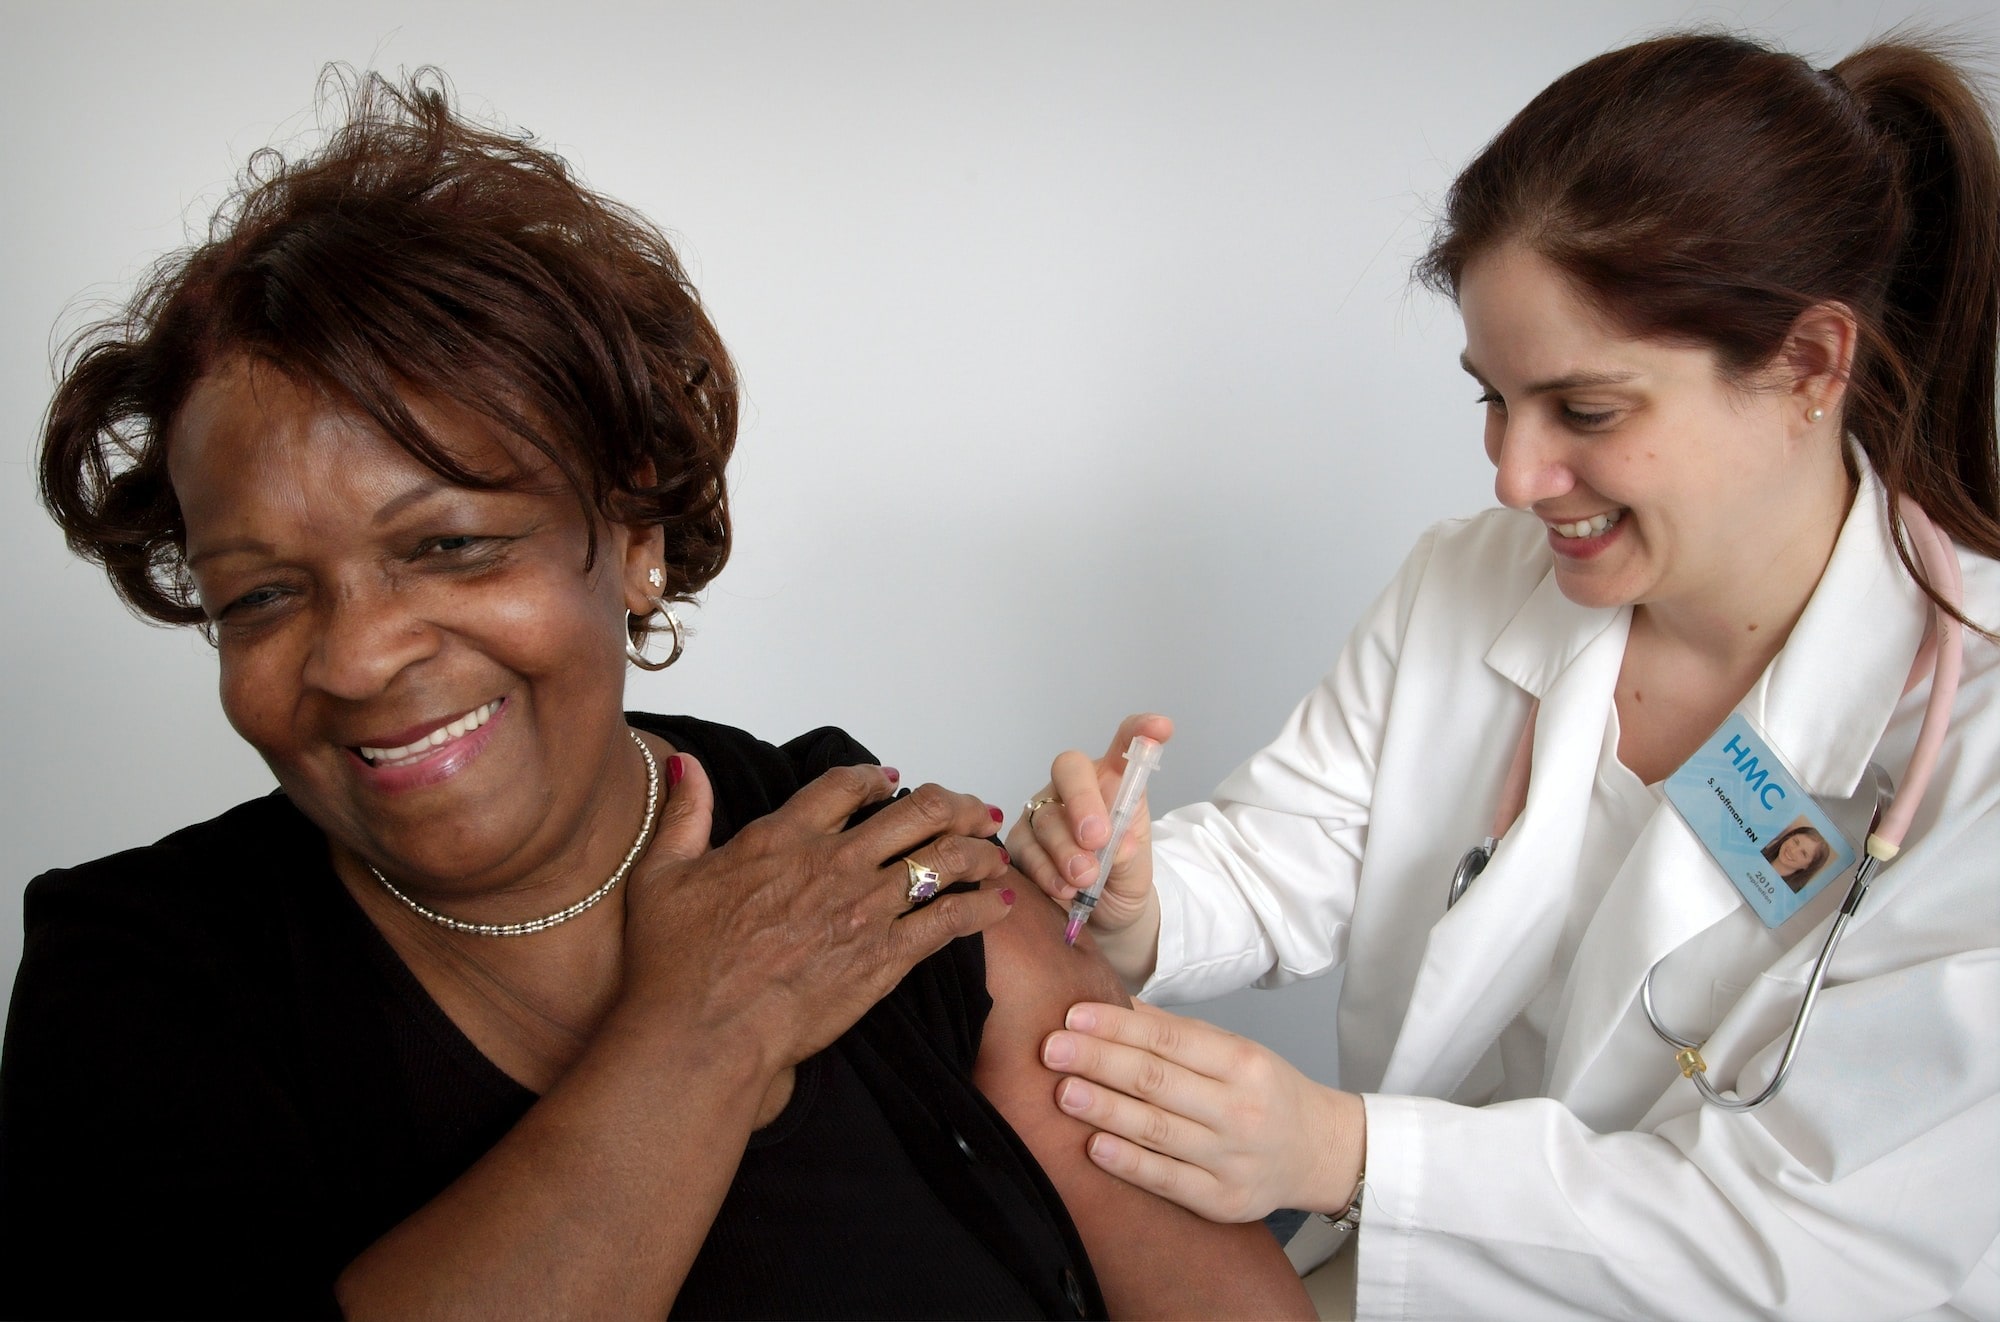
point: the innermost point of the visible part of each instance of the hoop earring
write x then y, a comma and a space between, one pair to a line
634, 626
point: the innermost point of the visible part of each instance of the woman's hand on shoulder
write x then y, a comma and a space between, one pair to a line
782, 938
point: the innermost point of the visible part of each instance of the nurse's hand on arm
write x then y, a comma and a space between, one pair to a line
1056, 847
1202, 1117
1153, 1259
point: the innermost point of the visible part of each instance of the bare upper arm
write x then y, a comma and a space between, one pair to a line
1152, 1258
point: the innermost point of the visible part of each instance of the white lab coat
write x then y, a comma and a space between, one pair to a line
1870, 1187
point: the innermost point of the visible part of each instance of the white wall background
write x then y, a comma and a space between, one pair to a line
1084, 372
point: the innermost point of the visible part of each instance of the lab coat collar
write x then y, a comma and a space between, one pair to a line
1825, 700
1548, 633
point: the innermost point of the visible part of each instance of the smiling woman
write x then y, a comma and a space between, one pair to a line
1734, 323
314, 542
508, 1001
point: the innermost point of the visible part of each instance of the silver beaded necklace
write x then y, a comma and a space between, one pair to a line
560, 916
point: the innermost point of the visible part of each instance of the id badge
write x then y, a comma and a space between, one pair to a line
1769, 837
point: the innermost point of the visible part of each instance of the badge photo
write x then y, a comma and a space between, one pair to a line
1770, 838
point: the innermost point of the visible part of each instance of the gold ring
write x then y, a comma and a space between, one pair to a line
1034, 805
923, 882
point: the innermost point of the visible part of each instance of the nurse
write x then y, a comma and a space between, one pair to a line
1727, 318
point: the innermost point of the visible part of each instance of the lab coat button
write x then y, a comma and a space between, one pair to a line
964, 1146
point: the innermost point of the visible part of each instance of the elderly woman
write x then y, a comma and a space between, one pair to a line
508, 1001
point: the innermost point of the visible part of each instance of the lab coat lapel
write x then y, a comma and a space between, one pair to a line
1485, 958
1668, 892
1823, 703
1828, 696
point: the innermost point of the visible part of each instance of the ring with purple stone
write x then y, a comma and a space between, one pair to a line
923, 882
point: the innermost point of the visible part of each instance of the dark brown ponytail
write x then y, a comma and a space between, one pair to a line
1923, 402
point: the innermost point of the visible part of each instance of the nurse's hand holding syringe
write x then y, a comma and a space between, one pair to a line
1142, 756
1056, 845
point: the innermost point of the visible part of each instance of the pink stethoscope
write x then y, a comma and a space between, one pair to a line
1942, 653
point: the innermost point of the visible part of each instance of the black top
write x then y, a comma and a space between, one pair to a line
221, 1084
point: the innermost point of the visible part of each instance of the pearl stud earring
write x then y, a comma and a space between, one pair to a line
1815, 413
656, 578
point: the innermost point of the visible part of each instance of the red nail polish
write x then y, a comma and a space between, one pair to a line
1007, 897
893, 774
675, 771
995, 813
1006, 859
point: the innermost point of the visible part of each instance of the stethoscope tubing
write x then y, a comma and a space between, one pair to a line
1695, 1069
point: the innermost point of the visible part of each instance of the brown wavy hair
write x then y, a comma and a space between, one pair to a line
413, 255
1703, 188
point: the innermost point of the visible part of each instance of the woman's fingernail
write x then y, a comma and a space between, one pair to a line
995, 813
1080, 1017
1006, 859
1058, 1051
1099, 1147
1081, 868
1074, 1095
1007, 896
893, 774
675, 771
1092, 828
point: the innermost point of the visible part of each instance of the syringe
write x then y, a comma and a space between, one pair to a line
1140, 759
